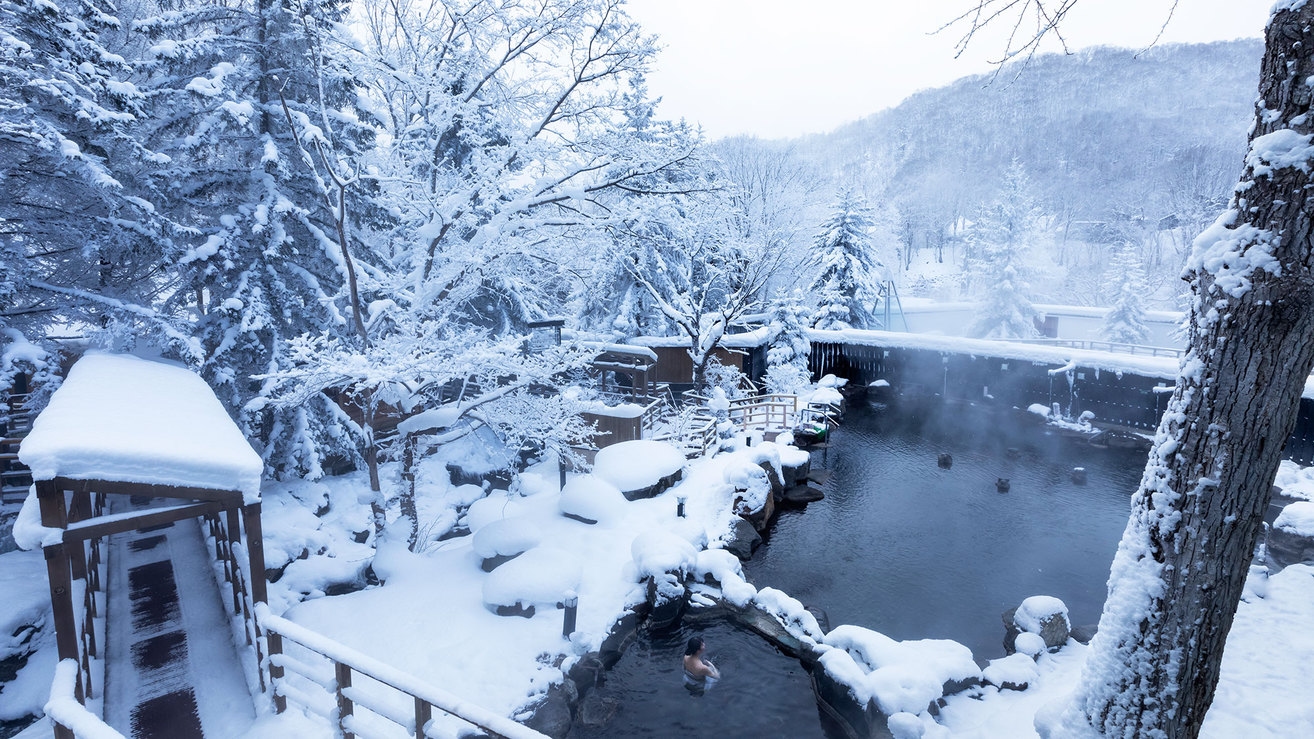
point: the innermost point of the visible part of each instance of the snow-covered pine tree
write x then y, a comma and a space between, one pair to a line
848, 275
1125, 321
996, 241
81, 243
788, 347
242, 97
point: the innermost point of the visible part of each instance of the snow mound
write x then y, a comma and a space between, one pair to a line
826, 396
540, 576
898, 676
725, 568
588, 497
750, 479
1040, 409
1036, 610
904, 725
1015, 670
506, 537
634, 465
1295, 481
791, 614
831, 381
1297, 518
1029, 644
657, 552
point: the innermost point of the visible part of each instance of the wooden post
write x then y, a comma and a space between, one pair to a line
79, 510
423, 714
61, 602
275, 671
255, 552
345, 707
230, 560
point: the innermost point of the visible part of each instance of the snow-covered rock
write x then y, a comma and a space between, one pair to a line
591, 499
1032, 645
1291, 537
1014, 672
639, 468
1044, 615
657, 552
543, 576
506, 537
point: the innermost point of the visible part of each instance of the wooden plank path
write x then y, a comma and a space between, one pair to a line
172, 669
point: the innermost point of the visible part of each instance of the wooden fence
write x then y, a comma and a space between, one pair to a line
383, 691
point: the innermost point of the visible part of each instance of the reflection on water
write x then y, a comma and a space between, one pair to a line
762, 692
915, 551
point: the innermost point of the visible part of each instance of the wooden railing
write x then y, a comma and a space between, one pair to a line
230, 553
381, 683
764, 411
1106, 346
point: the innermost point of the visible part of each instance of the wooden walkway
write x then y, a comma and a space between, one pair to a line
172, 669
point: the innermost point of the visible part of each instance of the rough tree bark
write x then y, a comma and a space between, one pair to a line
1183, 559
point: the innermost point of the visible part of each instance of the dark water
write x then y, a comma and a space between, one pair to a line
914, 551
900, 546
762, 692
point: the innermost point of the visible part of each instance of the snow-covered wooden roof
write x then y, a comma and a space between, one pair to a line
120, 418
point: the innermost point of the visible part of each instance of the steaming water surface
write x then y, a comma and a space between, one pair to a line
914, 551
900, 546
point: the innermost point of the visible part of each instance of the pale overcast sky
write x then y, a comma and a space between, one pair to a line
776, 68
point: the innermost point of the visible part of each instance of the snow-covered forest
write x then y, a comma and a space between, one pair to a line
351, 218
328, 205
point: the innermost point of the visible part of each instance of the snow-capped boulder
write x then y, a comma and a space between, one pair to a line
641, 468
542, 576
904, 725
504, 539
754, 496
1291, 537
663, 560
1032, 645
1014, 672
591, 499
896, 676
1043, 615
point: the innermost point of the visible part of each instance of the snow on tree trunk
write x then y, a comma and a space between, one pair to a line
1179, 570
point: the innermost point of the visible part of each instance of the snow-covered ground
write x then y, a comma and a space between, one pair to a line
432, 618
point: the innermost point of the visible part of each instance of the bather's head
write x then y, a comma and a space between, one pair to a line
695, 646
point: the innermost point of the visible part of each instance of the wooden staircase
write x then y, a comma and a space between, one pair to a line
15, 477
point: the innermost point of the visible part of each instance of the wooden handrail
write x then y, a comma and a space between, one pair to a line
347, 661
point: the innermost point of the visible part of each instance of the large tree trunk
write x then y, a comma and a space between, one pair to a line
1183, 559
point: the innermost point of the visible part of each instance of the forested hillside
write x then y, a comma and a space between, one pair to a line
1117, 147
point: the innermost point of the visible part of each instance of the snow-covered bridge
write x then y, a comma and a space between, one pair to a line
127, 459
147, 507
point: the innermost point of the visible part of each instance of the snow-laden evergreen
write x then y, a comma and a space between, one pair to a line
1125, 322
997, 240
848, 279
788, 347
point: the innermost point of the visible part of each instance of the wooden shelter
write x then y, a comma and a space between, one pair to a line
127, 428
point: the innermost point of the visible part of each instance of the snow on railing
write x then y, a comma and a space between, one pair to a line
67, 711
1106, 346
764, 411
348, 663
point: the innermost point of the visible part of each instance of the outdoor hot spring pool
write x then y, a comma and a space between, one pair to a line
914, 551
900, 546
